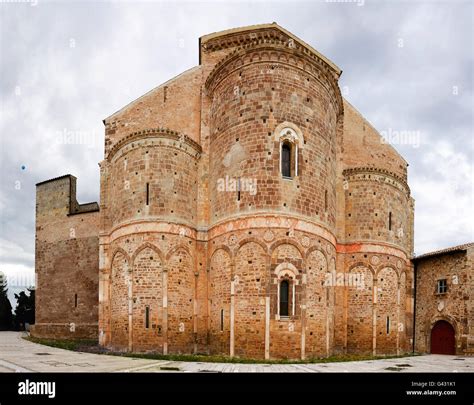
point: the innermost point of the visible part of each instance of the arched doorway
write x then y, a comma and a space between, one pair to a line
443, 338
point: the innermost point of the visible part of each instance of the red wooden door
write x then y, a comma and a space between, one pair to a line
442, 338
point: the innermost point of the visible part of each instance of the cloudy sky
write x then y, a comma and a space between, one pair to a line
407, 67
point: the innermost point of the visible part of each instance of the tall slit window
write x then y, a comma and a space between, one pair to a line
389, 221
147, 193
147, 317
222, 320
286, 159
284, 297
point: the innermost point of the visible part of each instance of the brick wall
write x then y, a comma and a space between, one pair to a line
378, 304
248, 105
174, 104
157, 166
197, 268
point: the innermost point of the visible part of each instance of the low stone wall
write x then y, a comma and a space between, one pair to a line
64, 331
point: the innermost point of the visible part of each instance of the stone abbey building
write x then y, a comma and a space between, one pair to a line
246, 209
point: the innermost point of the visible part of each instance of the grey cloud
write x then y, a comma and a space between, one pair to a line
74, 64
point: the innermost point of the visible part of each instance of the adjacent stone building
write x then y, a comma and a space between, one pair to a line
444, 305
246, 209
66, 262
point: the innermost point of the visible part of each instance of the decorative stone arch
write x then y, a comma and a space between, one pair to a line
144, 246
242, 243
360, 314
119, 250
445, 317
403, 296
225, 248
312, 272
290, 131
286, 241
289, 274
387, 266
362, 264
115, 253
365, 266
230, 255
180, 278
320, 250
387, 307
176, 249
219, 299
286, 269
118, 288
290, 140
295, 57
249, 240
432, 322
382, 268
400, 275
286, 273
331, 269
332, 264
155, 137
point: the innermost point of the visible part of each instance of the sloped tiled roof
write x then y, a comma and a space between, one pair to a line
450, 250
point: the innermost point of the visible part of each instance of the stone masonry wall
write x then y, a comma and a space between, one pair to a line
455, 306
174, 104
67, 263
152, 273
248, 105
377, 209
180, 261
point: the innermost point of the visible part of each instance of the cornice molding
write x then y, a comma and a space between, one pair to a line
376, 174
261, 34
165, 133
277, 52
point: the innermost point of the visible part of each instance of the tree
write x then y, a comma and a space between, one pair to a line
25, 308
6, 315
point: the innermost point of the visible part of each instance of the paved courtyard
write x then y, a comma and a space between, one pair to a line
19, 355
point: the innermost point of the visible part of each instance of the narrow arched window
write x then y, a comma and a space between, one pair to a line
284, 297
286, 159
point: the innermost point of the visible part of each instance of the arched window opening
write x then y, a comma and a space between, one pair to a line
286, 159
289, 139
284, 297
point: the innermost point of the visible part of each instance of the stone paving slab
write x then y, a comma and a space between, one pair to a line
17, 354
20, 355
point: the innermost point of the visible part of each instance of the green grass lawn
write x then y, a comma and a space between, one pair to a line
91, 346
74, 345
